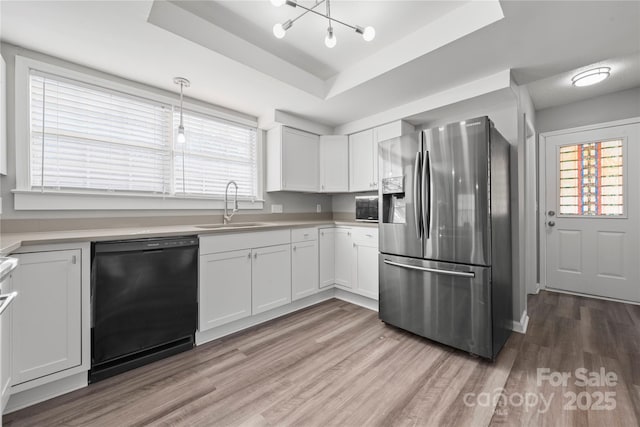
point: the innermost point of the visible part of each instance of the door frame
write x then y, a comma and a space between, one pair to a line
542, 185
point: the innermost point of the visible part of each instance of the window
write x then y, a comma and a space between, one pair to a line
591, 179
215, 152
92, 139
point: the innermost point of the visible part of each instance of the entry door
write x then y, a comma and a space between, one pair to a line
592, 212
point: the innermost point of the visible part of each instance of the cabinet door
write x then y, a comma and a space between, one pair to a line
224, 288
326, 241
47, 318
361, 161
5, 346
271, 277
334, 163
343, 257
304, 269
299, 160
365, 279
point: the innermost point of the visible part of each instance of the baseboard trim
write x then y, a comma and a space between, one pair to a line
44, 392
521, 326
356, 299
241, 324
560, 291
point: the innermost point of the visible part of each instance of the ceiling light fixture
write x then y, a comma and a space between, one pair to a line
591, 77
279, 30
181, 139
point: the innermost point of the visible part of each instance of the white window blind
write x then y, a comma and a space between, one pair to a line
89, 138
215, 152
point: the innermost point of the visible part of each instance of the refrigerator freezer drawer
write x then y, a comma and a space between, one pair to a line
448, 303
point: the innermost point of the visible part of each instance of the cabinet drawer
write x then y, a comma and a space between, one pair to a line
365, 236
304, 234
243, 240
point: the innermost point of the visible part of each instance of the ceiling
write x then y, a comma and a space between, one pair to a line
421, 48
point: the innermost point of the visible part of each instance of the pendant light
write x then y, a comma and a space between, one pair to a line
330, 40
183, 82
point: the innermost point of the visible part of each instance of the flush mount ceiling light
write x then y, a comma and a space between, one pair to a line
591, 77
183, 83
280, 30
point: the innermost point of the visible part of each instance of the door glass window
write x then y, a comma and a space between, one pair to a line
591, 179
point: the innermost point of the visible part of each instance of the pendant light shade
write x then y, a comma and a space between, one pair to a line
180, 137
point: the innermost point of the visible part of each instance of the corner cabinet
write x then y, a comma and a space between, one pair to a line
304, 263
326, 249
47, 315
292, 160
334, 164
363, 154
349, 259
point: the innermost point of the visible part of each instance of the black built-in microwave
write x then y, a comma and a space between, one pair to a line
367, 208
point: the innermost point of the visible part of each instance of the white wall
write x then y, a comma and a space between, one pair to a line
606, 108
292, 202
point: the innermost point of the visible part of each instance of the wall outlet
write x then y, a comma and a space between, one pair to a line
276, 208
318, 208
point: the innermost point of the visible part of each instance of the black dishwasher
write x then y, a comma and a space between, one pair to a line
143, 300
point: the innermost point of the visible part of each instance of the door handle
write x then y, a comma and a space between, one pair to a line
417, 193
426, 200
551, 223
551, 213
432, 270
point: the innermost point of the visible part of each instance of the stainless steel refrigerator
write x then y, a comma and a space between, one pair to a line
445, 235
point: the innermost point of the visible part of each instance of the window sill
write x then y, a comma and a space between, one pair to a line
25, 200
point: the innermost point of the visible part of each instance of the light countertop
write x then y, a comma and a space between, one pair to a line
10, 242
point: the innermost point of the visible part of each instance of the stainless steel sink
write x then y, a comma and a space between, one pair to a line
231, 225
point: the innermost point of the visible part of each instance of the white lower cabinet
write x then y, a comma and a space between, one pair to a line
5, 346
326, 258
343, 257
225, 288
349, 259
242, 274
304, 269
270, 277
365, 271
47, 315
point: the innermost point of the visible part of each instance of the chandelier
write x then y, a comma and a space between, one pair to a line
280, 30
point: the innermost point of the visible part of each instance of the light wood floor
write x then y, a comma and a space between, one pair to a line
337, 364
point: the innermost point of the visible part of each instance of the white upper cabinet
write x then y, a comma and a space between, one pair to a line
292, 160
361, 161
363, 154
334, 163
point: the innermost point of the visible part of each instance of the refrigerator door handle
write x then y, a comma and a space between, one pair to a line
470, 275
426, 199
417, 194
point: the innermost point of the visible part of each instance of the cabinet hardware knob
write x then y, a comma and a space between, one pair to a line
294, 248
249, 255
354, 245
255, 255
74, 259
322, 233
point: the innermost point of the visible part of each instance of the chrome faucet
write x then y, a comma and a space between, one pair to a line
227, 217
